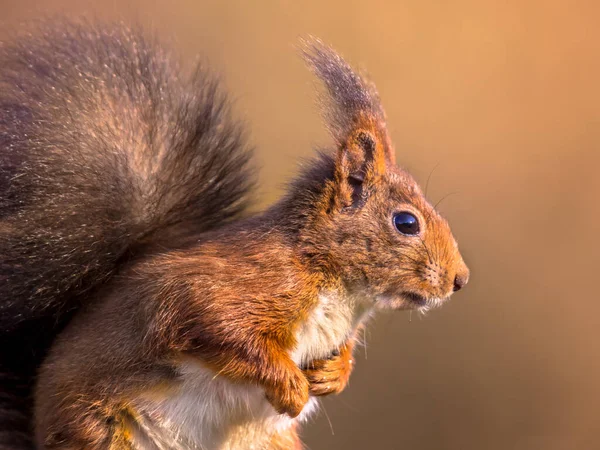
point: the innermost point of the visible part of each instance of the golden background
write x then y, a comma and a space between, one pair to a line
502, 99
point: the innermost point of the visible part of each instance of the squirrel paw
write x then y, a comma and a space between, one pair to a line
329, 376
291, 396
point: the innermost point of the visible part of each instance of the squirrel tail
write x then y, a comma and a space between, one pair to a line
105, 148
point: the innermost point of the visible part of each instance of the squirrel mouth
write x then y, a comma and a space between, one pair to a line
409, 300
415, 298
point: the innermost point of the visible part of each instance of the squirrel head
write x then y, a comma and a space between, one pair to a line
362, 220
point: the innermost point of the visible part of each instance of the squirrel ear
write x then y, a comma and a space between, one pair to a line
360, 162
353, 114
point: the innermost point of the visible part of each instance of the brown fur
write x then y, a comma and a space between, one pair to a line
107, 147
234, 300
233, 296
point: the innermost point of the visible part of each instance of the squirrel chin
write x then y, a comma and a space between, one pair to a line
408, 301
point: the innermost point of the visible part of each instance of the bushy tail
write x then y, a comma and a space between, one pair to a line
105, 147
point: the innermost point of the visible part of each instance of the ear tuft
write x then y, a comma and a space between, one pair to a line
351, 106
367, 142
355, 119
349, 97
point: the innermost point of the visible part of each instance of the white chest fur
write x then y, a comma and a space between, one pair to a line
208, 412
328, 327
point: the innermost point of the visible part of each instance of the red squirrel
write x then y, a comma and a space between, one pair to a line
141, 305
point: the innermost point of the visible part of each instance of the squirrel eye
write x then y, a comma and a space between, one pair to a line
406, 223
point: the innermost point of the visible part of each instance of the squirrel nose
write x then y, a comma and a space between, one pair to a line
459, 282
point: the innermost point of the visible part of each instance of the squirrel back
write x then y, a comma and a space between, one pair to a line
105, 148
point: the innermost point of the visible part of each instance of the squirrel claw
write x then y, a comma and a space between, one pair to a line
329, 376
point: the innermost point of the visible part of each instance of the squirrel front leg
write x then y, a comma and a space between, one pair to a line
287, 389
330, 376
267, 363
243, 338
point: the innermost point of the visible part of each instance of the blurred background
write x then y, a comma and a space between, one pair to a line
502, 99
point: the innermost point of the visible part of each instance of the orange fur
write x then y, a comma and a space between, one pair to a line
330, 376
232, 300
